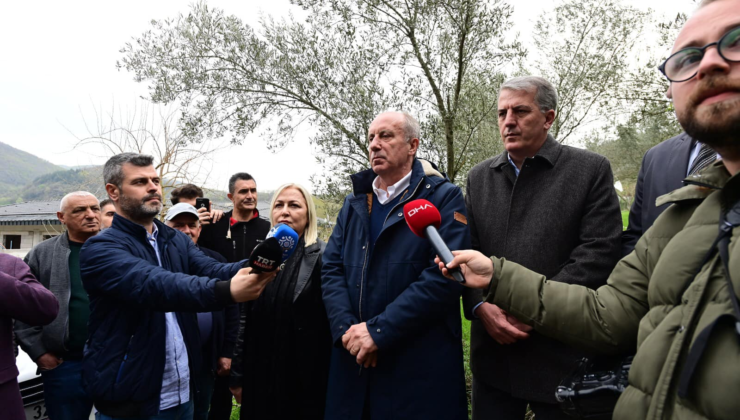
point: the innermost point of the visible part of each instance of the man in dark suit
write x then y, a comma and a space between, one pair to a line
552, 209
663, 170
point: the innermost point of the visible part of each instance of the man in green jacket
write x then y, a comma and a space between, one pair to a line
661, 298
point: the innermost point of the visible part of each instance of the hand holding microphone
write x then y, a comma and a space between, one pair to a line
424, 219
476, 267
263, 263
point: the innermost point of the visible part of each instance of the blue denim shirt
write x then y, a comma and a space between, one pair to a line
176, 377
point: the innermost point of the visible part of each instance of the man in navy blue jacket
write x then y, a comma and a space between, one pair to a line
145, 282
394, 321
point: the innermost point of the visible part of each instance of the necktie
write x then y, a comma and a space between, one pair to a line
706, 156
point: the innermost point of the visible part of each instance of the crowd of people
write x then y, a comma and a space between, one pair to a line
142, 319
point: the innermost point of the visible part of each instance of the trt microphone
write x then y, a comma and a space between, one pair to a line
424, 219
286, 237
265, 256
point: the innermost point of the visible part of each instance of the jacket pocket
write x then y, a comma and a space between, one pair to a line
123, 362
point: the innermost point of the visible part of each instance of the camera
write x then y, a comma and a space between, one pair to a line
592, 389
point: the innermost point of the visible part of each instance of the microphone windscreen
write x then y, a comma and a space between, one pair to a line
419, 214
286, 237
266, 256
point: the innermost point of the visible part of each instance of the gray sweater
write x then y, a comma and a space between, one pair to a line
49, 262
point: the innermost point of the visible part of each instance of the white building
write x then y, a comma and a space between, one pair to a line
24, 225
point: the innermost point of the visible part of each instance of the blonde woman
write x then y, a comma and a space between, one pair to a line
281, 361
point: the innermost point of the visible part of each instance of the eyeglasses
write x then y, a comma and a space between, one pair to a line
684, 64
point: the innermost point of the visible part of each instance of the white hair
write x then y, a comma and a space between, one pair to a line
63, 203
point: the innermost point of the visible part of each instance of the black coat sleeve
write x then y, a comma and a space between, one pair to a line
237, 362
634, 229
598, 251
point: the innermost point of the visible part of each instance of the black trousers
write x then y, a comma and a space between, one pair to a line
490, 403
221, 400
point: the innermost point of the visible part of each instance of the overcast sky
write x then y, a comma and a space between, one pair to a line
59, 64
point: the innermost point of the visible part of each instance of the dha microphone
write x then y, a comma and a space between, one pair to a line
265, 257
286, 237
424, 219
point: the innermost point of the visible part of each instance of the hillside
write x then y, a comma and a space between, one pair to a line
55, 185
18, 168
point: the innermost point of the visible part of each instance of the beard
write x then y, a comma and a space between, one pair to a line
716, 125
138, 209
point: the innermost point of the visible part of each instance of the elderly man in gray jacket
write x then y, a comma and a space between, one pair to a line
57, 348
552, 209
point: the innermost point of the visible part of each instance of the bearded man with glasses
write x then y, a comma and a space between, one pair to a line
665, 166
674, 299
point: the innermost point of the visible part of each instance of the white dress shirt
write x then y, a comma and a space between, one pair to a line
393, 190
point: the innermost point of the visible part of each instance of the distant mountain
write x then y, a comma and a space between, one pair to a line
17, 168
57, 184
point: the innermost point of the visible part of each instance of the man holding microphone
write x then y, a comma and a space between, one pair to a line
674, 298
145, 282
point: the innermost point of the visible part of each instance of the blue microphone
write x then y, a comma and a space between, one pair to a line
286, 237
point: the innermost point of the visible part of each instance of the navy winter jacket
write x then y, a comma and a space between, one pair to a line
129, 295
412, 311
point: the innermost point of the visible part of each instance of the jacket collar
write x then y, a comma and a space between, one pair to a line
362, 182
63, 240
699, 186
138, 231
549, 153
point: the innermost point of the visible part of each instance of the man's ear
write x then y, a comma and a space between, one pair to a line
113, 192
230, 195
414, 146
60, 216
549, 118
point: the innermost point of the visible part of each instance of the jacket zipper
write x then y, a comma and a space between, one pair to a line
362, 278
125, 358
367, 244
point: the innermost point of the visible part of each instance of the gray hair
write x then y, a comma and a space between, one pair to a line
545, 96
410, 126
63, 203
112, 172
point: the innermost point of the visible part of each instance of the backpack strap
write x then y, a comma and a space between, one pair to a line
721, 244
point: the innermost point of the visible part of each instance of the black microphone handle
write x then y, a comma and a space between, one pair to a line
443, 251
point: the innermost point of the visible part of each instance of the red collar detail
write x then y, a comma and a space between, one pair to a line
255, 215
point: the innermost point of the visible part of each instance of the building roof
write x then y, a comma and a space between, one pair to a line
30, 213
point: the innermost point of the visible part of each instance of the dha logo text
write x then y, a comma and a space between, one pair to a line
412, 212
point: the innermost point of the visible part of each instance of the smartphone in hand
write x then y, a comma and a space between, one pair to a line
203, 203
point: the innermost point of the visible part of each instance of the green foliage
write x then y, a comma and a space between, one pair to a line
346, 63
585, 48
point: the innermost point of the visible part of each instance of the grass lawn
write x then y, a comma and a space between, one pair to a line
625, 219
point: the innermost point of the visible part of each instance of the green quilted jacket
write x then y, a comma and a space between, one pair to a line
651, 305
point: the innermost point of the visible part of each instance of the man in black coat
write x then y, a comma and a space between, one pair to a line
237, 233
663, 170
552, 209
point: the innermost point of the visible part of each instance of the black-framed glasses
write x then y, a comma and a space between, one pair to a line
684, 64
